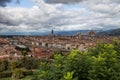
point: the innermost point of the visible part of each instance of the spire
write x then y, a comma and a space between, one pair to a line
52, 32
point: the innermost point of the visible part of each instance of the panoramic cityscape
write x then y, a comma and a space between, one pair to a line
59, 40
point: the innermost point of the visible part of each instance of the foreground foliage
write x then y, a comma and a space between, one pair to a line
18, 68
98, 63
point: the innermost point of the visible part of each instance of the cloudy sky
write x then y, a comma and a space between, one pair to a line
44, 15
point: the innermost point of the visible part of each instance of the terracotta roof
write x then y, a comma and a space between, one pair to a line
91, 32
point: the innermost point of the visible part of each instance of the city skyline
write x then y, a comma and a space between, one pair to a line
18, 16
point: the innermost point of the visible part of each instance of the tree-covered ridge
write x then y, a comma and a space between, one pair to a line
112, 32
98, 63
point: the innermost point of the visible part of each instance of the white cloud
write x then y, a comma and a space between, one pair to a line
90, 14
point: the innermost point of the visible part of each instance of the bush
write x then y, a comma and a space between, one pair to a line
99, 63
14, 65
3, 65
17, 74
27, 72
29, 63
5, 74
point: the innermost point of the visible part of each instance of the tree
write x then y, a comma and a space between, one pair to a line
98, 63
17, 74
24, 51
3, 65
14, 65
29, 63
106, 63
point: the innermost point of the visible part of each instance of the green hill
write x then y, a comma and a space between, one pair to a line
112, 32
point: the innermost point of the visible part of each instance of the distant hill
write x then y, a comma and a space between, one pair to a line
58, 33
111, 32
74, 32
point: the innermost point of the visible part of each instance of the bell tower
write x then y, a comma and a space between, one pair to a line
52, 32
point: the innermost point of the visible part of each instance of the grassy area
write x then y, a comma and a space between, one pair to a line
25, 78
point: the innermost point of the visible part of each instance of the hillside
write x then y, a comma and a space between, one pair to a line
58, 33
112, 32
